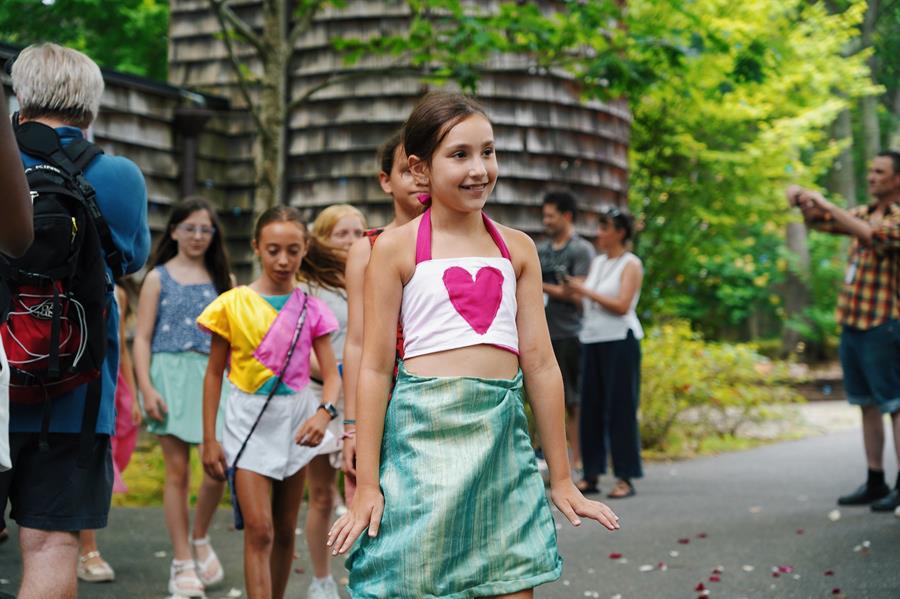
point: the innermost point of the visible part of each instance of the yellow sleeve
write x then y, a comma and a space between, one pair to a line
214, 317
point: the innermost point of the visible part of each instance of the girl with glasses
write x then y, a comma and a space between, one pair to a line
188, 271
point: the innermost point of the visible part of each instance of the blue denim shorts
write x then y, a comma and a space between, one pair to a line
871, 363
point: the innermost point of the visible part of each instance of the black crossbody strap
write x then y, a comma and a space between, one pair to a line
287, 360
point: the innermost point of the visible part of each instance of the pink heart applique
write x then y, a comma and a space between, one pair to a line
476, 301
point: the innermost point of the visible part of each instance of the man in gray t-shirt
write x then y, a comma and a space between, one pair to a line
564, 254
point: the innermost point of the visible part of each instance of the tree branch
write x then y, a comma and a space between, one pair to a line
335, 78
240, 27
243, 84
303, 25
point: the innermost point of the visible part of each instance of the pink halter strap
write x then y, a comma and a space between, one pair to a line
423, 237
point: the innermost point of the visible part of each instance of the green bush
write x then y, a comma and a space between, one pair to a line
692, 389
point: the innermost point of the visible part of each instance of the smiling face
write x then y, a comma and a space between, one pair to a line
401, 185
194, 234
463, 168
280, 246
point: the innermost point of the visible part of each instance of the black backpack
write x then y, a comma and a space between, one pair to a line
55, 327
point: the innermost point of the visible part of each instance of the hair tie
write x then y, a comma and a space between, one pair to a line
424, 199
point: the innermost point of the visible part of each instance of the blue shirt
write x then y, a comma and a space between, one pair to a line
176, 327
122, 198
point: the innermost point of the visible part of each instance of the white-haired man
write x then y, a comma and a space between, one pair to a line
52, 497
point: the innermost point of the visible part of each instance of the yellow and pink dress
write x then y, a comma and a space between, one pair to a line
259, 330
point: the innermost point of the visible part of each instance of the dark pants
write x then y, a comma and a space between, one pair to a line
568, 356
610, 385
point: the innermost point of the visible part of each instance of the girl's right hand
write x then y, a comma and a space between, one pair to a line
214, 460
154, 405
365, 511
348, 455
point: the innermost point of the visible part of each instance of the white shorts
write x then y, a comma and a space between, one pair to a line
271, 450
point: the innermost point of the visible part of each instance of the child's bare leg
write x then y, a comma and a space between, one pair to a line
318, 518
254, 495
286, 500
176, 457
208, 499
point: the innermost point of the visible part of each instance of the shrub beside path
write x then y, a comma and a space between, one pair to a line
758, 523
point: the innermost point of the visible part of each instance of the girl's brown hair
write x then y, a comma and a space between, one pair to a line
432, 118
387, 152
279, 214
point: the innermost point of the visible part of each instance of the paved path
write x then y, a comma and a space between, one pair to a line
743, 512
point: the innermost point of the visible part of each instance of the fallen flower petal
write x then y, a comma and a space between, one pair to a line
715, 578
702, 535
646, 568
700, 587
829, 572
615, 556
673, 554
747, 568
684, 541
662, 566
834, 515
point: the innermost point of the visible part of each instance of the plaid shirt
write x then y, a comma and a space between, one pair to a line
870, 295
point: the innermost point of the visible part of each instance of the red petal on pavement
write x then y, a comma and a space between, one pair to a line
662, 566
700, 587
835, 591
775, 574
800, 531
717, 570
829, 572
785, 569
684, 541
715, 578
615, 556
702, 535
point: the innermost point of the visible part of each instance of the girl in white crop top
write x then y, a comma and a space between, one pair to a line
468, 293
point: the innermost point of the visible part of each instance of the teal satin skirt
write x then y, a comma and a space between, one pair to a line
465, 510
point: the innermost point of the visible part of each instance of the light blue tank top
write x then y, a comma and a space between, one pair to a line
179, 306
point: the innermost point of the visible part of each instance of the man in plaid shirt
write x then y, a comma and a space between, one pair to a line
869, 313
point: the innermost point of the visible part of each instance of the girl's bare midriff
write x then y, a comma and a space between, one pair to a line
482, 361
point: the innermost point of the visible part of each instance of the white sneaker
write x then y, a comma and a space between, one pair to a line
326, 589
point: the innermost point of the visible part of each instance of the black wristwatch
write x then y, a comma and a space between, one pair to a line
332, 411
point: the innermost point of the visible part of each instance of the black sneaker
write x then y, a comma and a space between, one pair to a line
865, 495
888, 503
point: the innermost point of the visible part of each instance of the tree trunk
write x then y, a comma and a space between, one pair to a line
269, 150
895, 134
796, 292
869, 104
841, 179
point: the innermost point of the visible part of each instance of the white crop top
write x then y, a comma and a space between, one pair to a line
459, 302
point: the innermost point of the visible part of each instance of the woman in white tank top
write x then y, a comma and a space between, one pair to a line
611, 352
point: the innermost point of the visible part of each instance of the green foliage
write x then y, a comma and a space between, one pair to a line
453, 40
715, 143
127, 35
693, 390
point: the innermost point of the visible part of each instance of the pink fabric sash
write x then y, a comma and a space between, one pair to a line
273, 348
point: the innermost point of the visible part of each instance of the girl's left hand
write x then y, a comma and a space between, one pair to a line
572, 504
312, 431
136, 417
